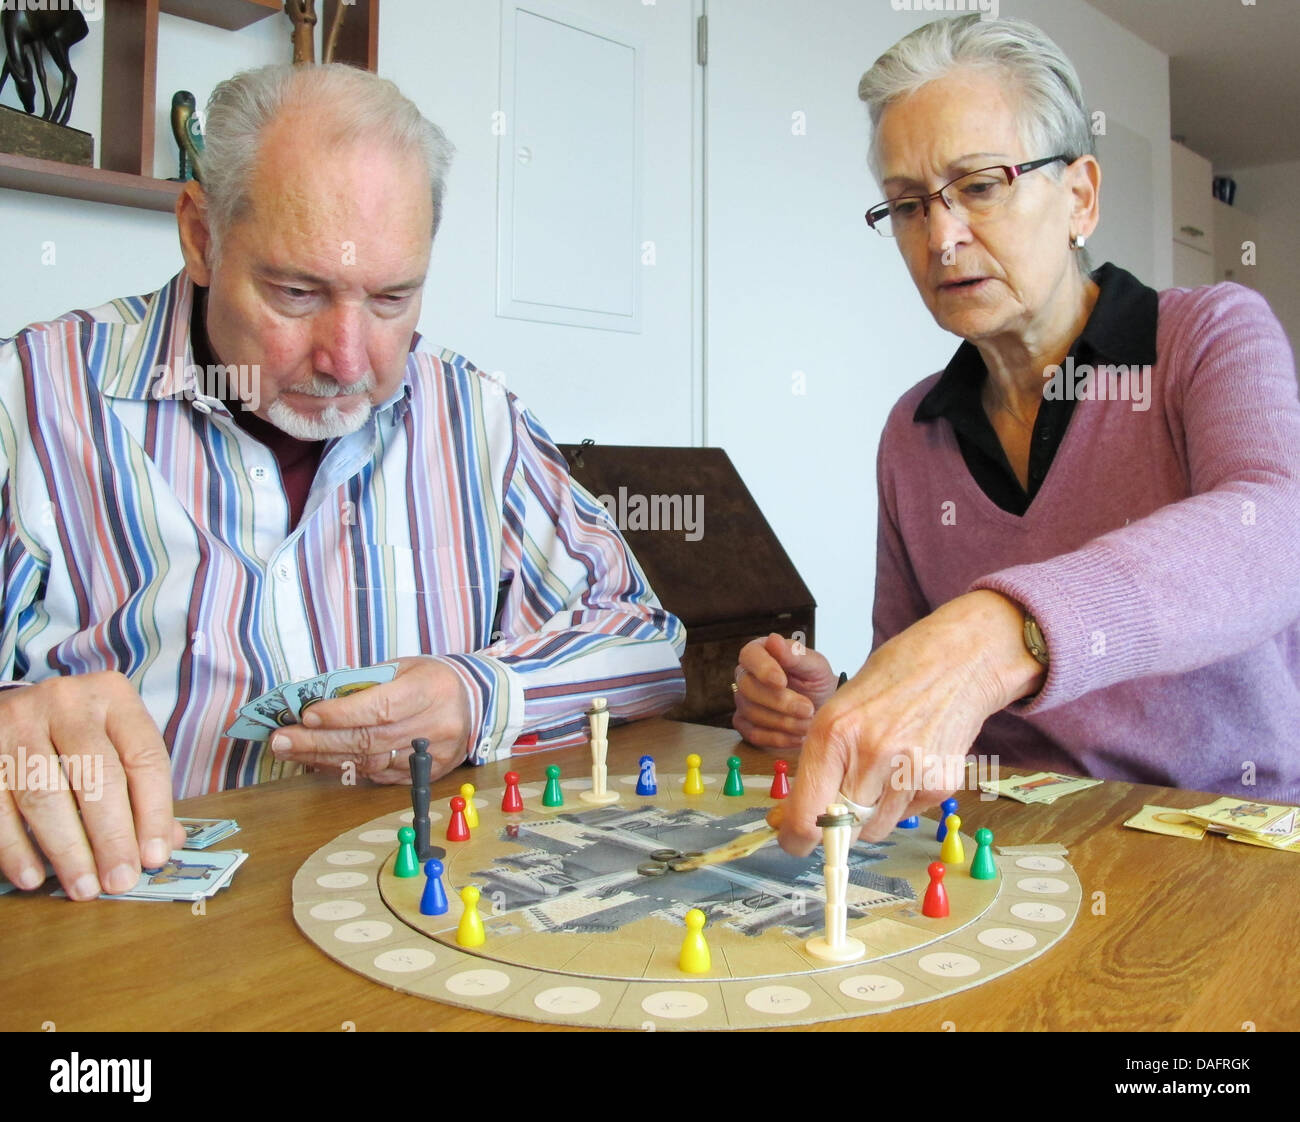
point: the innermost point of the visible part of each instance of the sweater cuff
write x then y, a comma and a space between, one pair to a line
496, 705
1096, 619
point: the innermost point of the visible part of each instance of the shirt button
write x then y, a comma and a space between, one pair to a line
283, 571
259, 473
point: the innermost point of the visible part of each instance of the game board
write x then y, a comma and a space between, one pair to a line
576, 936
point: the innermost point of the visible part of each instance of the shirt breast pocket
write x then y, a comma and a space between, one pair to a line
429, 602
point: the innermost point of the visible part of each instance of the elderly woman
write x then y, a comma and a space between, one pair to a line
1098, 575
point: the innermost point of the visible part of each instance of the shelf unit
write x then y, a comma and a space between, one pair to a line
125, 175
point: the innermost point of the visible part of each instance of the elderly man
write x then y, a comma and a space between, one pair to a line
173, 549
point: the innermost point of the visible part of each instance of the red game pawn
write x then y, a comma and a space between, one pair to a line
936, 896
780, 781
457, 828
513, 801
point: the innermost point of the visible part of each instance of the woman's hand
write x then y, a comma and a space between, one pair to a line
896, 736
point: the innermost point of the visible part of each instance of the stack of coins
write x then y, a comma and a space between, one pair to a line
663, 861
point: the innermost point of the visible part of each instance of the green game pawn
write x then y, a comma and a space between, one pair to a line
733, 786
982, 866
407, 863
553, 796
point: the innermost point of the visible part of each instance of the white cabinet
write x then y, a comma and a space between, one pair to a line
1193, 211
1236, 235
1193, 200
1192, 268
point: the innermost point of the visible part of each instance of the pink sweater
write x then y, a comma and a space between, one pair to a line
1161, 557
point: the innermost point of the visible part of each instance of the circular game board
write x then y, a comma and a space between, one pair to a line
576, 936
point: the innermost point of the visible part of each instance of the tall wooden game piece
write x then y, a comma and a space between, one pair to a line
598, 715
837, 832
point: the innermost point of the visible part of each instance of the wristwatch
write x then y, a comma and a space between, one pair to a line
1034, 639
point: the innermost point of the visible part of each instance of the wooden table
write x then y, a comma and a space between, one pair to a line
1172, 933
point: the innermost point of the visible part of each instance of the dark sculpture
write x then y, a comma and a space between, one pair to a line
25, 33
188, 134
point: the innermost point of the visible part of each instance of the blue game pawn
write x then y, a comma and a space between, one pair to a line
434, 900
910, 823
947, 807
646, 781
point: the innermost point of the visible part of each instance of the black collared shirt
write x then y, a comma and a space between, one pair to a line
1121, 329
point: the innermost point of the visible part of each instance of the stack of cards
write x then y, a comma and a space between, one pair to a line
187, 877
200, 833
284, 704
1262, 824
1041, 787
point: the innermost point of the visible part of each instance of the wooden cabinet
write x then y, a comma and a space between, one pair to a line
708, 553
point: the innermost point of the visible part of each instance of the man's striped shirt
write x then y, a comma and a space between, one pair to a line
144, 531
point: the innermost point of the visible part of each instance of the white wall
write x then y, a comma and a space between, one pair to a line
1269, 194
799, 285
445, 54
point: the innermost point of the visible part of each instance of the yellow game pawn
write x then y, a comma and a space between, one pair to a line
470, 932
694, 784
471, 811
695, 958
951, 852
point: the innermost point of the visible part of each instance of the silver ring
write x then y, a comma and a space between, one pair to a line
864, 814
391, 757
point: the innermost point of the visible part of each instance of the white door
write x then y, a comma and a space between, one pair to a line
568, 258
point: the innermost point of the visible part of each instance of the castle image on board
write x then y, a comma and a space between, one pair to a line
578, 873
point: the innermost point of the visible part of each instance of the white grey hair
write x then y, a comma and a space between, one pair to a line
349, 104
1053, 117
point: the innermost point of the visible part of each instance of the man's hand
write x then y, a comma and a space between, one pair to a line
897, 734
90, 732
372, 730
780, 684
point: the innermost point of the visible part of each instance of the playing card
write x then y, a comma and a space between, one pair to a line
1040, 787
186, 877
299, 695
1166, 820
1245, 816
246, 728
272, 708
345, 682
200, 833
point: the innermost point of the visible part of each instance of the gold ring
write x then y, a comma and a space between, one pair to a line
391, 757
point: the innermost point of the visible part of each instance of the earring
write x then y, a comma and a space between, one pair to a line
1078, 241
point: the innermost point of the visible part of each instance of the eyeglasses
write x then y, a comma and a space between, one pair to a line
970, 197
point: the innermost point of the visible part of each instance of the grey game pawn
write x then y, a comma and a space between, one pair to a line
421, 776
